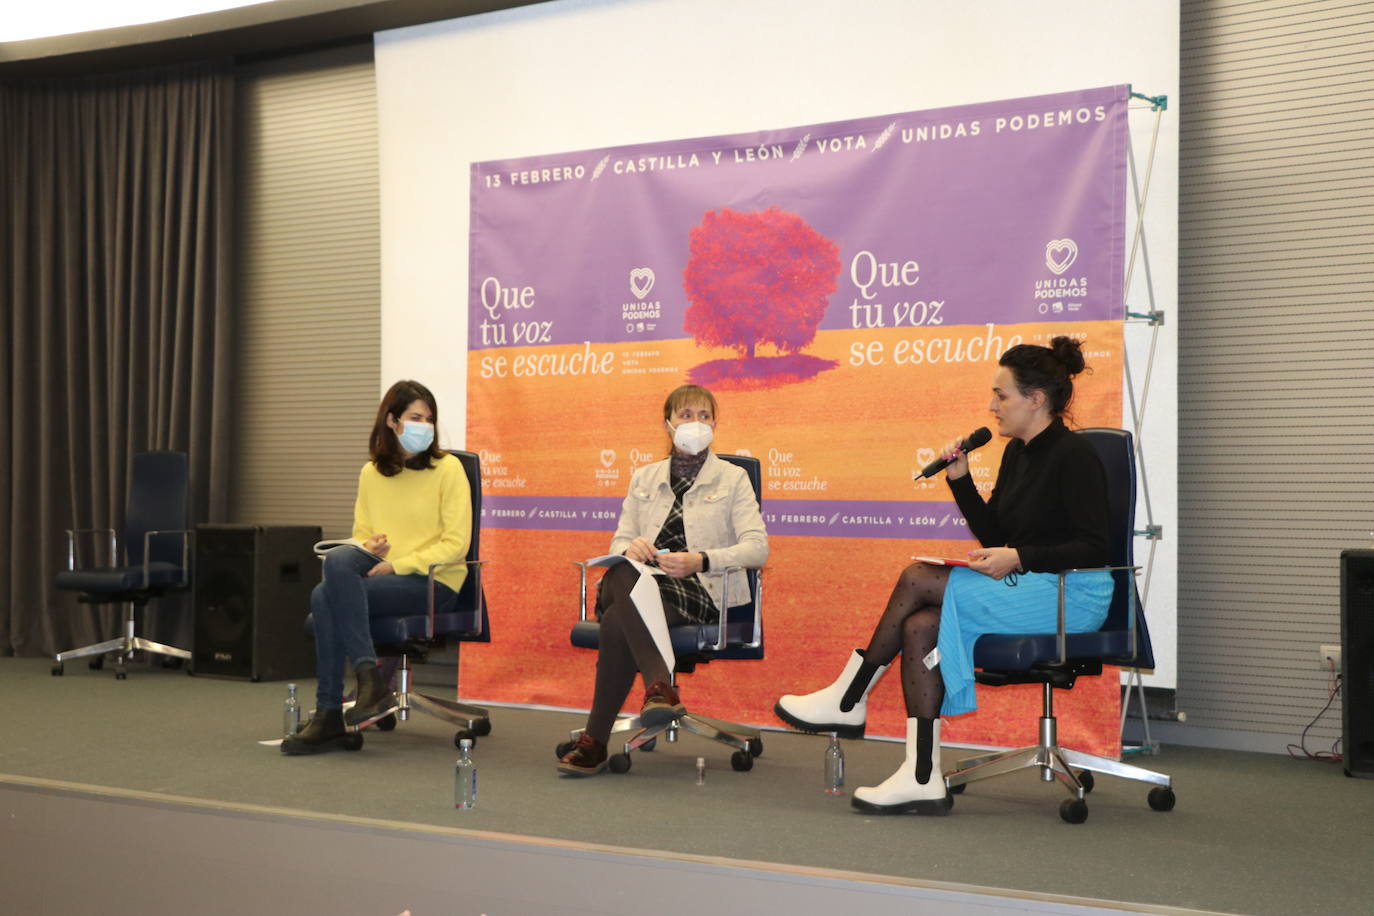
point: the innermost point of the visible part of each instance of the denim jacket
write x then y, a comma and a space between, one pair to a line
720, 517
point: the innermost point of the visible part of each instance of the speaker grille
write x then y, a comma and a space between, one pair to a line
252, 593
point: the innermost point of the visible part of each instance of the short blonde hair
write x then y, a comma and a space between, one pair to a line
683, 395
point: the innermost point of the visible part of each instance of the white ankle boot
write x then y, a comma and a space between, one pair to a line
820, 711
900, 792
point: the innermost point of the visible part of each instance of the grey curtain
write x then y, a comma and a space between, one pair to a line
116, 222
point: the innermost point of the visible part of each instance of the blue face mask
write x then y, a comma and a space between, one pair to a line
416, 437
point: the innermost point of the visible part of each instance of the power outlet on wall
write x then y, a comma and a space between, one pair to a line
1331, 655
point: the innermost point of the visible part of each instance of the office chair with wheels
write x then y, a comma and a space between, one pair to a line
401, 640
737, 634
157, 551
1056, 660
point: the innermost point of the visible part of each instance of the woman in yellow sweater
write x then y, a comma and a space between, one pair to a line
414, 509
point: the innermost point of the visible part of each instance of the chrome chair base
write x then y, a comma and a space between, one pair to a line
1054, 762
747, 742
472, 719
122, 648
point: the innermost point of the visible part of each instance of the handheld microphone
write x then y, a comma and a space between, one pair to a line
980, 436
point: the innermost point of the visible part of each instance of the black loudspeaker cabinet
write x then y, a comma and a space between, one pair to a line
1357, 662
252, 594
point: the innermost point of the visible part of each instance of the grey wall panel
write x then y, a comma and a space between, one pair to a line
1276, 367
310, 315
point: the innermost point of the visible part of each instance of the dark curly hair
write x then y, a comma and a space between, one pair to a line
1049, 369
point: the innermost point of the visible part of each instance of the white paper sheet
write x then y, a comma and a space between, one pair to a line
647, 601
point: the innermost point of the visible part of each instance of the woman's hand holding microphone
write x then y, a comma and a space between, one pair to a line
997, 562
953, 452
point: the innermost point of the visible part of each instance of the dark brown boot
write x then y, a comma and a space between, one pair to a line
587, 757
374, 698
324, 731
661, 705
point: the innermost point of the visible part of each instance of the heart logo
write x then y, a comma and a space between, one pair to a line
607, 457
1060, 255
641, 281
925, 456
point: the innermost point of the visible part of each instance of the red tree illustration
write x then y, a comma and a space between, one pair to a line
761, 277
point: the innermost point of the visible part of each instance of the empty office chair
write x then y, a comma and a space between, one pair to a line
401, 640
156, 558
1056, 660
738, 634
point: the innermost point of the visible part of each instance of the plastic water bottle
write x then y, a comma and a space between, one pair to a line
291, 713
465, 778
701, 771
834, 767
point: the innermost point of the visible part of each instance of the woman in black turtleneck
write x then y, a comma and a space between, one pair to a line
1047, 513
692, 515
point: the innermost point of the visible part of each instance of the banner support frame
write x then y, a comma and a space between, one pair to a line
1154, 318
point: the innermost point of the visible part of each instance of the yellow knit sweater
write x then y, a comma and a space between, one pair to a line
425, 515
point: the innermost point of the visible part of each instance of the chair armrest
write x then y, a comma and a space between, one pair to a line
581, 590
756, 632
1060, 631
477, 584
724, 610
71, 544
186, 535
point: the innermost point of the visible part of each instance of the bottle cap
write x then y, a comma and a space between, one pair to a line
701, 761
465, 743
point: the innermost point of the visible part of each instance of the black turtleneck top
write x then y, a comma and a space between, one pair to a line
1050, 503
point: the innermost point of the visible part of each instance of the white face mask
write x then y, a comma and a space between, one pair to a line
691, 438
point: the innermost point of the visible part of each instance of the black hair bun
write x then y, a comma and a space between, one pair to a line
1069, 353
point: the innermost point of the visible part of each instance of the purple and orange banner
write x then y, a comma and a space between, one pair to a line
845, 290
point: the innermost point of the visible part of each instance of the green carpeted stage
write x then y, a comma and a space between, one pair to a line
1255, 834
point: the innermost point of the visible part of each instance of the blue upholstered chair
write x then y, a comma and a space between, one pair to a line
156, 558
399, 640
738, 634
1056, 660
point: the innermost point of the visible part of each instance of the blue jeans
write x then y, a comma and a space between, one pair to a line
343, 604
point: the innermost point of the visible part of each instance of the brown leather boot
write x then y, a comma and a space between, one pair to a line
587, 757
661, 705
324, 731
374, 699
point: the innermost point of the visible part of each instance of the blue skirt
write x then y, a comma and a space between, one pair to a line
975, 604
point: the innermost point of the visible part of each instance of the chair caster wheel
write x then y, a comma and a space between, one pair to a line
1073, 810
1086, 780
959, 789
742, 761
121, 674
1161, 798
57, 669
464, 733
562, 748
481, 728
619, 763
650, 744
755, 747
387, 723
96, 663
353, 741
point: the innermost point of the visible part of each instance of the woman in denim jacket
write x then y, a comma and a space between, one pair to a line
692, 515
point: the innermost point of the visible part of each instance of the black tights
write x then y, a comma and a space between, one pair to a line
911, 625
626, 647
